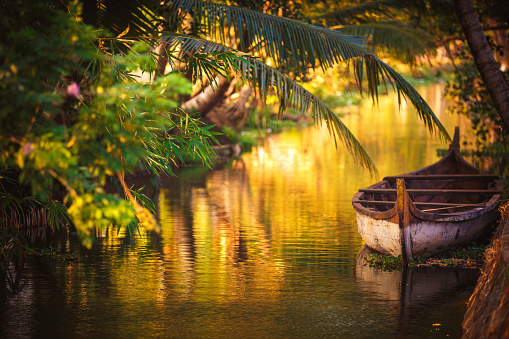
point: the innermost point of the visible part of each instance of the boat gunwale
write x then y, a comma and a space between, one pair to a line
453, 152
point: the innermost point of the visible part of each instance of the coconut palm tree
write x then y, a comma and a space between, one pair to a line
389, 26
484, 60
216, 41
440, 19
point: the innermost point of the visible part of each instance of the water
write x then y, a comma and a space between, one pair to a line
265, 247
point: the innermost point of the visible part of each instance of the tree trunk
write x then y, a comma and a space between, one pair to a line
207, 99
484, 60
232, 112
501, 40
162, 60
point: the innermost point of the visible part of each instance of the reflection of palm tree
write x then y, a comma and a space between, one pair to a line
227, 219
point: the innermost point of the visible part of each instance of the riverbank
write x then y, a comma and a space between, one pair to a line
487, 315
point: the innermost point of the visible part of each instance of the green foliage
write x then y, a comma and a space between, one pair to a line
470, 98
390, 263
293, 47
73, 114
473, 251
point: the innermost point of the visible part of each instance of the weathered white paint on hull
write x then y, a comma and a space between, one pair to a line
378, 234
423, 238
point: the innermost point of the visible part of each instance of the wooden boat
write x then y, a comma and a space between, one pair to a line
430, 210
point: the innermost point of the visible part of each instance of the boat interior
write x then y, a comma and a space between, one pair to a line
451, 186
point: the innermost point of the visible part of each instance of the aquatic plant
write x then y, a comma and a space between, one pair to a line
471, 256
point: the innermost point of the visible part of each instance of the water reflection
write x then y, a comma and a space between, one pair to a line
417, 292
264, 247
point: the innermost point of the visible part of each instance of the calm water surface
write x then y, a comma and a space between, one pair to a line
265, 247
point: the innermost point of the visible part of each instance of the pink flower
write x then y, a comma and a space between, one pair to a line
73, 89
27, 148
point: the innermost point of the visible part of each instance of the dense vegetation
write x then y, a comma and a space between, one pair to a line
74, 118
82, 105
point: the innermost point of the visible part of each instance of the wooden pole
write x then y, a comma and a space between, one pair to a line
403, 218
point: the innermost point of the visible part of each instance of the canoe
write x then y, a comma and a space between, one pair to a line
430, 210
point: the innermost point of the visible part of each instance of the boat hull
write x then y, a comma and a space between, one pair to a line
428, 211
423, 238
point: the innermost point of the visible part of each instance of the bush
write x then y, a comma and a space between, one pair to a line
74, 114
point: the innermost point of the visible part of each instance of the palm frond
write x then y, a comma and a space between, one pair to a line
292, 94
136, 19
190, 44
376, 71
205, 58
405, 44
285, 40
379, 73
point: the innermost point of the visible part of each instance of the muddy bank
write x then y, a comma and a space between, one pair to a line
487, 315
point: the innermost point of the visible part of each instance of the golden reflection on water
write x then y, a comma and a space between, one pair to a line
281, 213
267, 245
212, 243
291, 195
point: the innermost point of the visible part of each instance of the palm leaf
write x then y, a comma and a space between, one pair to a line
376, 72
292, 94
134, 19
379, 73
281, 38
405, 44
206, 58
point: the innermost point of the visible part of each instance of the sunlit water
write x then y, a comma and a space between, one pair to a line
265, 247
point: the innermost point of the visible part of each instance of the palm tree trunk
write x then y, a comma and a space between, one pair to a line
162, 60
208, 98
232, 112
500, 35
484, 60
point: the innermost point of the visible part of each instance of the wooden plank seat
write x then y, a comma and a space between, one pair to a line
416, 203
434, 177
429, 191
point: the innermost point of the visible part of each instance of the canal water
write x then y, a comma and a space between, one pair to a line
264, 247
